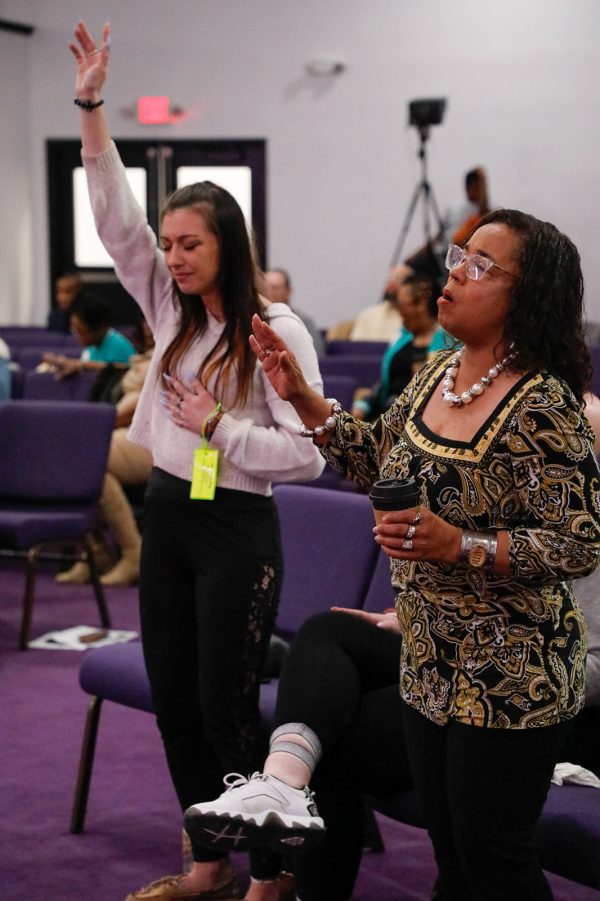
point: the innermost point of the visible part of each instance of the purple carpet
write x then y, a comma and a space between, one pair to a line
133, 824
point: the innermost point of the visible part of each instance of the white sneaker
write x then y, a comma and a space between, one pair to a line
256, 812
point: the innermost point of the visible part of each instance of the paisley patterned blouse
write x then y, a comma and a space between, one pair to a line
480, 648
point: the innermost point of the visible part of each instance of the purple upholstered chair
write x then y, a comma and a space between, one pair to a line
329, 556
344, 347
380, 595
342, 387
115, 673
29, 357
595, 352
54, 459
18, 338
44, 386
328, 551
365, 370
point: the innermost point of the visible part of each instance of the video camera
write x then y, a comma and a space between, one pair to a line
424, 113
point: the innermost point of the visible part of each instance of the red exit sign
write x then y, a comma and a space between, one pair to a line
154, 111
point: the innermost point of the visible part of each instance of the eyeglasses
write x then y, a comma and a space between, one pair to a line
476, 265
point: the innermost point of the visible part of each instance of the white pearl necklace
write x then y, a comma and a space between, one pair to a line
458, 400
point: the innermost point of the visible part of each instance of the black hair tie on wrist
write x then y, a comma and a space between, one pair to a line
87, 105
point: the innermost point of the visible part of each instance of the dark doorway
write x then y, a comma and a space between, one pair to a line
157, 169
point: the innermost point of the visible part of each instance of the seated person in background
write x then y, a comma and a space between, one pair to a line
91, 325
340, 331
382, 321
68, 288
128, 464
460, 223
279, 290
5, 376
419, 337
587, 589
457, 225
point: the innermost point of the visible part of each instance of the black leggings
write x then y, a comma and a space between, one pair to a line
209, 588
340, 677
482, 792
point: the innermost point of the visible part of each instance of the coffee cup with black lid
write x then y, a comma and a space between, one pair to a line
393, 494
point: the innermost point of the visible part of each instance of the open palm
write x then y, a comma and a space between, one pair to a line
92, 60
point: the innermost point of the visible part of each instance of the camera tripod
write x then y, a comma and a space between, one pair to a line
424, 192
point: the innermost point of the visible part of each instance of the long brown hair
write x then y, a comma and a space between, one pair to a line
231, 356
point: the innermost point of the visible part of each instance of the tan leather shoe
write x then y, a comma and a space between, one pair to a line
287, 887
169, 888
79, 574
123, 573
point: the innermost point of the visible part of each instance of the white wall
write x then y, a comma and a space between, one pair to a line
520, 76
17, 259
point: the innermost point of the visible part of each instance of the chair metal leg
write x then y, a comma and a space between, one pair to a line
105, 619
86, 762
373, 840
28, 597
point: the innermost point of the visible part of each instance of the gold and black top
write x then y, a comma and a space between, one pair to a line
481, 648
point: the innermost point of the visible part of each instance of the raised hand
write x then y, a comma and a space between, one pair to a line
279, 363
92, 62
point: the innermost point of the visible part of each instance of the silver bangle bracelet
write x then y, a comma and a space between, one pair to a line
328, 425
478, 549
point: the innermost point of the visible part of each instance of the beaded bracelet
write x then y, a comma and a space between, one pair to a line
328, 425
87, 105
211, 422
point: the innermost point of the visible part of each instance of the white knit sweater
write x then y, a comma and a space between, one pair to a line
260, 441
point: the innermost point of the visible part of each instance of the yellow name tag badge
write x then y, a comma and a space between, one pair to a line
204, 474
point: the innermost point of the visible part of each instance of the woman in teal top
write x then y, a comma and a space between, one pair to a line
102, 344
419, 338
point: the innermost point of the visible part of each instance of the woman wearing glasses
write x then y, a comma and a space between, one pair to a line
493, 641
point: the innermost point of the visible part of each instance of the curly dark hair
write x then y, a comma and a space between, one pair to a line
422, 287
237, 287
545, 318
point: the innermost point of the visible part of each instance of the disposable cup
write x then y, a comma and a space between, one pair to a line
393, 494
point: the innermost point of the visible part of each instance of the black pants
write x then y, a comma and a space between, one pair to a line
340, 677
209, 588
482, 792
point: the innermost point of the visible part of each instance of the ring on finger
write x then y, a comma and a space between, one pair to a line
267, 351
407, 545
92, 52
411, 532
418, 518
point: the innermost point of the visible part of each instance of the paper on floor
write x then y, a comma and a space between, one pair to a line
74, 639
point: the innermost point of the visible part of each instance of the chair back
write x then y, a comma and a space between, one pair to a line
341, 347
53, 451
365, 370
380, 595
595, 354
29, 357
33, 337
342, 387
328, 551
45, 386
